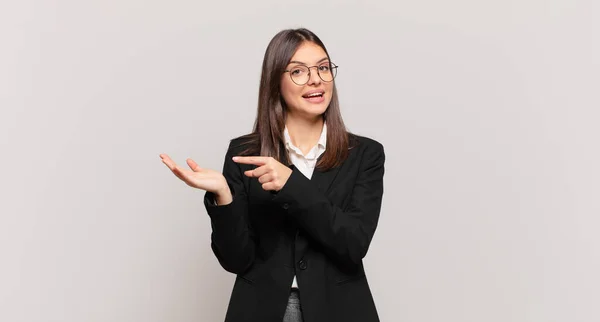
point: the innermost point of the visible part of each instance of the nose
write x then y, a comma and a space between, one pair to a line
314, 78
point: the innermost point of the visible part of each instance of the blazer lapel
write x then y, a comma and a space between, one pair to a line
323, 181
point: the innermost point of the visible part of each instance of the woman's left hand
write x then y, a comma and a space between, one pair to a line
271, 173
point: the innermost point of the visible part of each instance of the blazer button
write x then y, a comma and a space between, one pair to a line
286, 206
302, 264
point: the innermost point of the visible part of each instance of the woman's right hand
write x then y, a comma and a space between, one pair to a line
205, 179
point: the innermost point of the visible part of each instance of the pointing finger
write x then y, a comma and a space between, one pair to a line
251, 160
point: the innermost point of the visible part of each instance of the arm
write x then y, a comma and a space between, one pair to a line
344, 234
232, 238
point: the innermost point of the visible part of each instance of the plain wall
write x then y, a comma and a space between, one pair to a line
488, 111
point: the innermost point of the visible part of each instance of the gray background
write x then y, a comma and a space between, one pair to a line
488, 111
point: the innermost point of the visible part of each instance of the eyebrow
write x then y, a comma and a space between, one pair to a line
299, 62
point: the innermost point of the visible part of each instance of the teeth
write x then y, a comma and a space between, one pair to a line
314, 94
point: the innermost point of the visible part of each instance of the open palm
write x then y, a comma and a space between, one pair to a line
205, 179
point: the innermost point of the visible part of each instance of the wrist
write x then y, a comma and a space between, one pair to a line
223, 196
222, 192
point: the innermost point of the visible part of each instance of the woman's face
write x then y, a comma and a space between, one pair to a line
311, 99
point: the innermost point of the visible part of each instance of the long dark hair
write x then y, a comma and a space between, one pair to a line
267, 138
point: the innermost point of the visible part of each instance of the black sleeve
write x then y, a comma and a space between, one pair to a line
232, 238
344, 234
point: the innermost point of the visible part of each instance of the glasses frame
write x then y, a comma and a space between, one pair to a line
332, 66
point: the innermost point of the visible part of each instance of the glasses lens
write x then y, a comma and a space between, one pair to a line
299, 75
327, 71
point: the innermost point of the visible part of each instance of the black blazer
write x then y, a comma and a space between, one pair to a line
318, 229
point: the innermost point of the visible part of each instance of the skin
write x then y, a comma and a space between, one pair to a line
304, 122
305, 119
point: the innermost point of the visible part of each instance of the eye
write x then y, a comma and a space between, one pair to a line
298, 71
324, 68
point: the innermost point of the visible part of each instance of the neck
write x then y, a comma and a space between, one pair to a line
304, 133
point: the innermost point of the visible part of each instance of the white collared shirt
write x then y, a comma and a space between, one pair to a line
305, 163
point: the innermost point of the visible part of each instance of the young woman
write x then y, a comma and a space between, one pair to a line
298, 201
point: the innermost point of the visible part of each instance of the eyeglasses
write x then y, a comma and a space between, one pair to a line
300, 74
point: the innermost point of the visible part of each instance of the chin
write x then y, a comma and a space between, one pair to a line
316, 109
310, 110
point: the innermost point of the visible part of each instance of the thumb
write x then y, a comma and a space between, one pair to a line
193, 165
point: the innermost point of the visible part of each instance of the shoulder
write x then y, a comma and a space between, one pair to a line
367, 151
365, 144
244, 145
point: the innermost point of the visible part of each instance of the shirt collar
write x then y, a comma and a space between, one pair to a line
322, 139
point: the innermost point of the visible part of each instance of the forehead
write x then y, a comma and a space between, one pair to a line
309, 53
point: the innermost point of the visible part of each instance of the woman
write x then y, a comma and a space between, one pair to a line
297, 204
